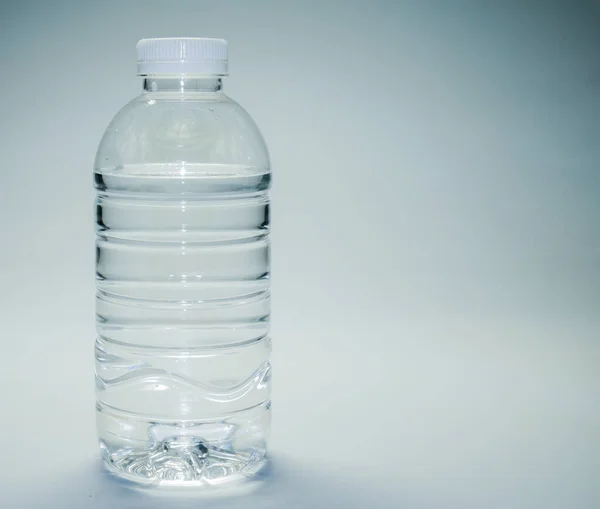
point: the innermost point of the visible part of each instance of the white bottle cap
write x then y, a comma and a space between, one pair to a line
182, 55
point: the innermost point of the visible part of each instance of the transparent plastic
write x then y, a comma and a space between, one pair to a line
182, 268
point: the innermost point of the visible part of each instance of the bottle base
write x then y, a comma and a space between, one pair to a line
184, 453
181, 461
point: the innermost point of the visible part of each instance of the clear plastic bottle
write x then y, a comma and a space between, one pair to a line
182, 216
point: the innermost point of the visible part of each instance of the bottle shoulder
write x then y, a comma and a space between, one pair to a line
169, 127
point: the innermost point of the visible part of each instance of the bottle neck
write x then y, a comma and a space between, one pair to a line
183, 84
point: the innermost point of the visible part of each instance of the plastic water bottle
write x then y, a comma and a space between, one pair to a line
182, 269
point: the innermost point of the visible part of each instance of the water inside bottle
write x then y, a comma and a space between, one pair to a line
182, 353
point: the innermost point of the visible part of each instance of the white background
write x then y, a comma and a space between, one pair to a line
436, 245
